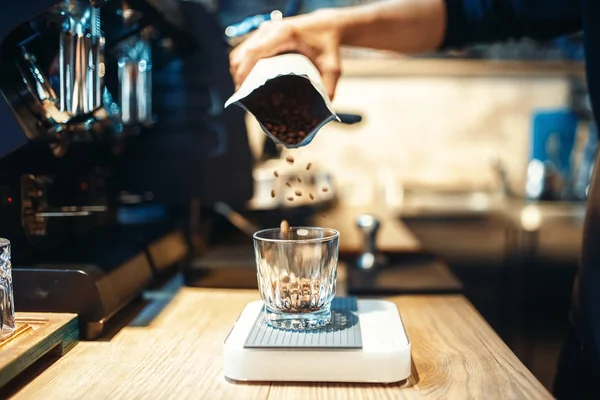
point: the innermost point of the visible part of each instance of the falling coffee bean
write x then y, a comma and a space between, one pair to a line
273, 194
312, 197
289, 159
298, 193
284, 229
325, 189
290, 199
299, 179
308, 166
288, 184
276, 174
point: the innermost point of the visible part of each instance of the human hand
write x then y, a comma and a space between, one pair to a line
313, 35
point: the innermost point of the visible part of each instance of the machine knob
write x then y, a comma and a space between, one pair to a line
369, 226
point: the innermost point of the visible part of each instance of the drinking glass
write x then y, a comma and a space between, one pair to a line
296, 272
7, 308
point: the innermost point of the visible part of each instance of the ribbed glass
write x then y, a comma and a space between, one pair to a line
7, 307
296, 272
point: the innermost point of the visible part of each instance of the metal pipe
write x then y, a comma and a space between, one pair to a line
81, 57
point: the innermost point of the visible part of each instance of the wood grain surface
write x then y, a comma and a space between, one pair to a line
174, 351
36, 335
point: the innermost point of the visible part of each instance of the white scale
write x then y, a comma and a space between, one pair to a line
383, 358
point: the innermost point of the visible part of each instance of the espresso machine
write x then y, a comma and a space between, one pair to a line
113, 138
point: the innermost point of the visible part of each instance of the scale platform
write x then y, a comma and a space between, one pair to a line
365, 343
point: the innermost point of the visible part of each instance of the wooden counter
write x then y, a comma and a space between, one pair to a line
175, 352
393, 234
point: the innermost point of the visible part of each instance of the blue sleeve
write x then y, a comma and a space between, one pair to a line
480, 21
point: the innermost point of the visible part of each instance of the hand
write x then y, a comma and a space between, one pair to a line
313, 35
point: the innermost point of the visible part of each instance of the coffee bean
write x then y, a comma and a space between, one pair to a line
288, 184
289, 159
284, 227
276, 174
308, 166
299, 179
325, 189
273, 194
290, 199
298, 193
312, 197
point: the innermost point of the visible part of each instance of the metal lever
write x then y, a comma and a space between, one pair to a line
71, 211
369, 226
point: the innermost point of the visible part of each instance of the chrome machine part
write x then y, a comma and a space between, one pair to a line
369, 226
369, 259
35, 210
81, 58
135, 78
39, 86
135, 73
80, 103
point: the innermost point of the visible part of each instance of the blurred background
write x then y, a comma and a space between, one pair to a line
485, 155
459, 174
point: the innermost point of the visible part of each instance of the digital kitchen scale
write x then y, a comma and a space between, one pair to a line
365, 343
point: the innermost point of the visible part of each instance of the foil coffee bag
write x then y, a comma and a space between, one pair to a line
288, 99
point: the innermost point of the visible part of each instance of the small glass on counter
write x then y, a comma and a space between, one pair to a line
296, 272
7, 308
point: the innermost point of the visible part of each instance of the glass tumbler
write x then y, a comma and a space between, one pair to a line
7, 308
296, 272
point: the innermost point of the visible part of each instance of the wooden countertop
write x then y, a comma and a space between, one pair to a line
393, 235
174, 351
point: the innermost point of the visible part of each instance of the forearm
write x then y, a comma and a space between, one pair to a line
413, 26
404, 26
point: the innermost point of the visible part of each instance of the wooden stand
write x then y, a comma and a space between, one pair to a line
37, 335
